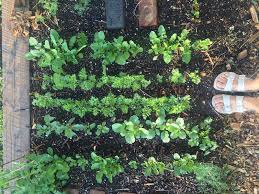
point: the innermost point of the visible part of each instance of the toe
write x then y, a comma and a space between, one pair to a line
221, 80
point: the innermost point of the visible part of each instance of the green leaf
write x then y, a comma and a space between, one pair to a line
165, 137
167, 57
117, 127
33, 41
99, 177
120, 59
130, 138
72, 41
134, 119
187, 55
54, 36
177, 156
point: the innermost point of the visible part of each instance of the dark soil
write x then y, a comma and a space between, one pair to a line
225, 22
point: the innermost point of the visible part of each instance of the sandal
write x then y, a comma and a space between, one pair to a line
227, 104
231, 76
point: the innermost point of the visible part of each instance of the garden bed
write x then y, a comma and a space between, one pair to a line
225, 23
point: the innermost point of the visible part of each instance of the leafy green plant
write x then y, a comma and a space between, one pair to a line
199, 136
176, 44
88, 82
133, 164
160, 78
153, 167
131, 130
68, 129
109, 105
118, 51
50, 7
177, 77
43, 173
194, 77
183, 165
167, 130
105, 167
195, 10
57, 52
82, 6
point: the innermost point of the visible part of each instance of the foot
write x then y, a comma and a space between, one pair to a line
223, 78
248, 104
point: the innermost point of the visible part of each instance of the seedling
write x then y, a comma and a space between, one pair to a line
153, 167
196, 10
194, 77
179, 45
57, 52
105, 167
118, 51
82, 6
133, 164
177, 77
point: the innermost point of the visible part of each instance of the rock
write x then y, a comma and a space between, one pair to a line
148, 13
203, 74
243, 54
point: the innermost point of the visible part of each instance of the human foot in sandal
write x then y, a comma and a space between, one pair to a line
231, 82
226, 104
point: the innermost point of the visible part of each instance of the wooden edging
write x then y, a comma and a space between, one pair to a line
16, 88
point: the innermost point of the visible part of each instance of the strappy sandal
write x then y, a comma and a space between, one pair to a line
227, 104
231, 76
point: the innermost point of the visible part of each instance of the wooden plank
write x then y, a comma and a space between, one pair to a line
16, 88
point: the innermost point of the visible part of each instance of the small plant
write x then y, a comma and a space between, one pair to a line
131, 130
43, 173
82, 6
108, 167
199, 136
57, 52
153, 167
194, 77
183, 165
118, 51
177, 77
176, 44
196, 10
133, 165
50, 7
68, 129
160, 78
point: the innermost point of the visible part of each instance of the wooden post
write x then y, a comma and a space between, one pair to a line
16, 88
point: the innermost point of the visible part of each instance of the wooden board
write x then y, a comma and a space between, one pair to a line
16, 88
